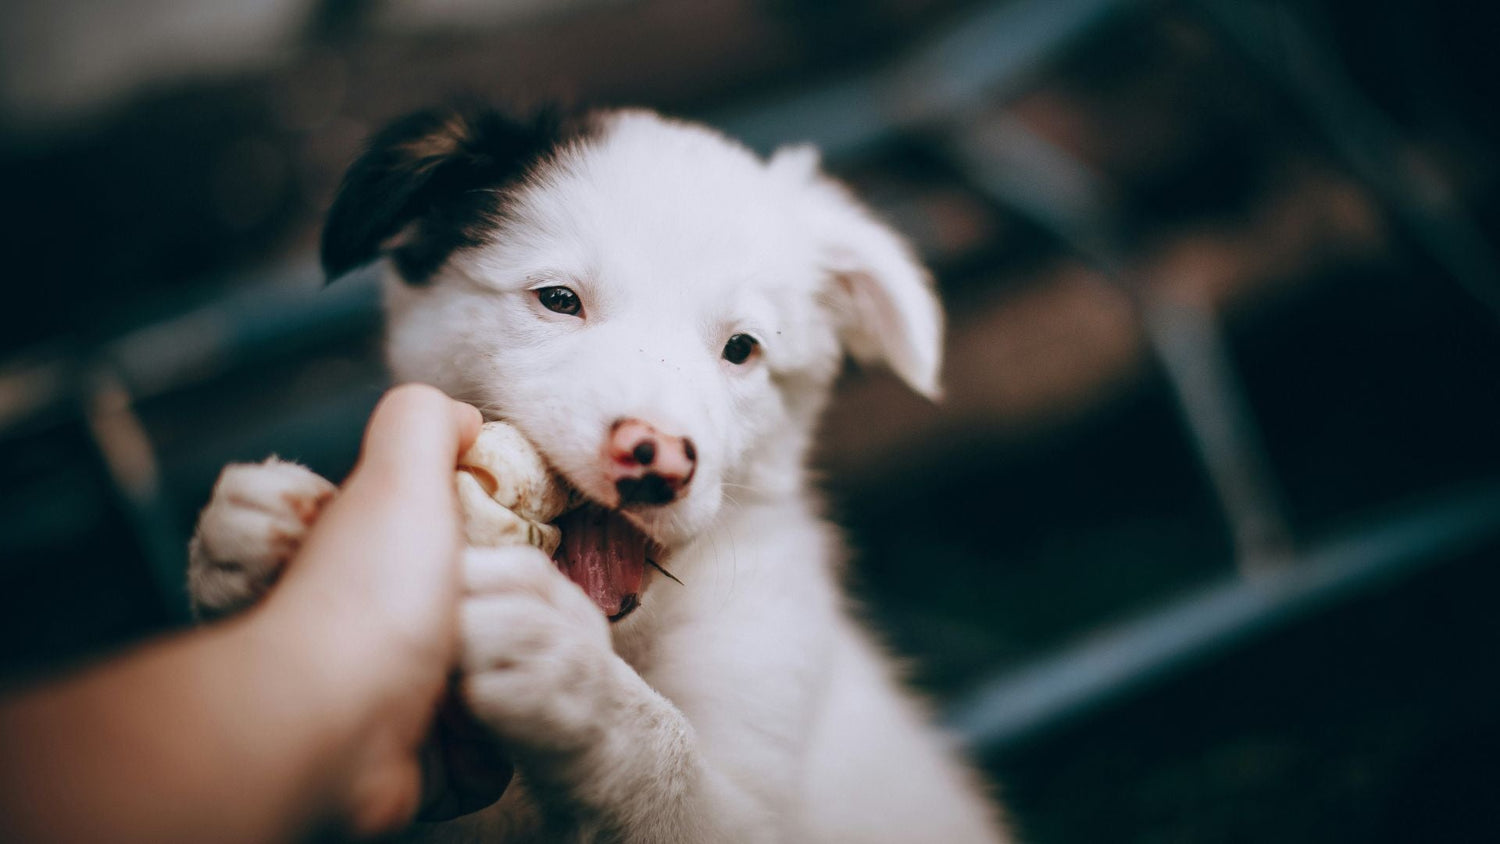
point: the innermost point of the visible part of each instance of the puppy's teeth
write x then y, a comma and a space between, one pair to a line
628, 605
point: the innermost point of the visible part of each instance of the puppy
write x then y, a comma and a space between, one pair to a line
663, 314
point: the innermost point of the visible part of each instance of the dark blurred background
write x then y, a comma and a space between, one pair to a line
1202, 545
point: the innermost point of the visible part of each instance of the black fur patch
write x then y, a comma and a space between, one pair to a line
438, 178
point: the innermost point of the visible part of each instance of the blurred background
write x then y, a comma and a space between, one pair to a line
1202, 545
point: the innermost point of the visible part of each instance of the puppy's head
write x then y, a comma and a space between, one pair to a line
658, 309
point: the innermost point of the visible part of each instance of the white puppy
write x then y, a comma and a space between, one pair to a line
663, 314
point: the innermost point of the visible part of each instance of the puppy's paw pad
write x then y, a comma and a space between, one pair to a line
274, 487
305, 506
254, 523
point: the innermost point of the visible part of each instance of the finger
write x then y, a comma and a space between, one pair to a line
391, 537
416, 434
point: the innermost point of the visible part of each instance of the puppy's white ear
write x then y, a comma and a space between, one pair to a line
880, 293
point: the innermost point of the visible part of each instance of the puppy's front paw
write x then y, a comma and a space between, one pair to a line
252, 525
536, 651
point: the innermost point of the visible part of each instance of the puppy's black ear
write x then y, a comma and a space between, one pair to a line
429, 184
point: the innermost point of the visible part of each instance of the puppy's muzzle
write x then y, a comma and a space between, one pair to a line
647, 467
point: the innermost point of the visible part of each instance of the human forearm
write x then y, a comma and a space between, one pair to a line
305, 712
227, 735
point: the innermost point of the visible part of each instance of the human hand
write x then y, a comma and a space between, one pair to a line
371, 596
303, 713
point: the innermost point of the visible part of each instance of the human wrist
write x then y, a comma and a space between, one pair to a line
339, 745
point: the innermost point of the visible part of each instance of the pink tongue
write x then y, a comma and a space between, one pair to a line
605, 555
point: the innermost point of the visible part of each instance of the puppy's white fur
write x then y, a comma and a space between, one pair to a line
744, 704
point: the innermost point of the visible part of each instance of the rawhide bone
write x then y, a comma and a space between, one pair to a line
506, 492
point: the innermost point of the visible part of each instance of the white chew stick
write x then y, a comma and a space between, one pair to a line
506, 492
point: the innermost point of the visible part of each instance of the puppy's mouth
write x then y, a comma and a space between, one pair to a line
606, 552
606, 555
600, 548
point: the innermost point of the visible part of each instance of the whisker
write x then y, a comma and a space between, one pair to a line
654, 564
753, 490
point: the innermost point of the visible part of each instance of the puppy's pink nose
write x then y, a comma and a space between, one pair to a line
647, 466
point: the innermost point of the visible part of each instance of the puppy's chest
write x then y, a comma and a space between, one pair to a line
662, 642
637, 647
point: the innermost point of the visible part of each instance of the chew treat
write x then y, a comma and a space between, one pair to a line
506, 492
488, 524
509, 497
514, 474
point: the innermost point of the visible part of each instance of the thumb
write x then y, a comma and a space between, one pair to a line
396, 519
415, 436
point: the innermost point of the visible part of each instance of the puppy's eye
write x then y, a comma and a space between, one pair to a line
560, 300
740, 348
